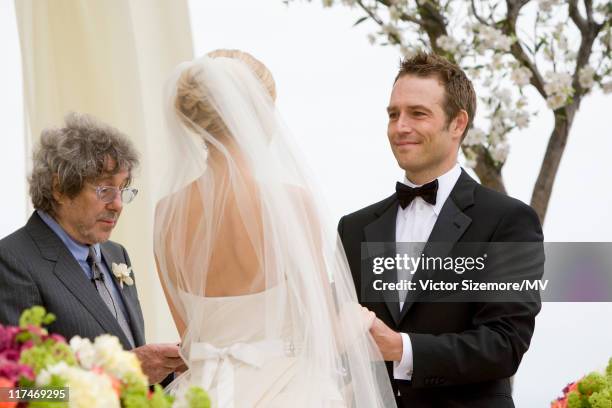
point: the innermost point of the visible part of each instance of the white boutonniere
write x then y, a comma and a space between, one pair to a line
122, 273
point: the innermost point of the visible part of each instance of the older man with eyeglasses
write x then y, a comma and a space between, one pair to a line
62, 258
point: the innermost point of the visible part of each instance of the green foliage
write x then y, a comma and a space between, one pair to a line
197, 398
35, 316
593, 382
55, 382
576, 400
159, 399
138, 397
47, 354
48, 404
601, 399
593, 391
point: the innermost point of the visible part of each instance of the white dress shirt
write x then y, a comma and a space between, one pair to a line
414, 224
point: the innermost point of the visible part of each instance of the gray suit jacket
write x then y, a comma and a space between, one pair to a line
36, 268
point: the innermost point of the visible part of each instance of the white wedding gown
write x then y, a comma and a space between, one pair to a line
237, 212
238, 366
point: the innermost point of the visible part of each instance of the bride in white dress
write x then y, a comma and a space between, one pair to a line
258, 287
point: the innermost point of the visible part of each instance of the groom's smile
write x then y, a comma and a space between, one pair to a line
418, 129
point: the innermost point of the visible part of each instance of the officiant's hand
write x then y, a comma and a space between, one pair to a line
388, 341
159, 360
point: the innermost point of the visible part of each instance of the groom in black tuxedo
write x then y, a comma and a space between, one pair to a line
442, 354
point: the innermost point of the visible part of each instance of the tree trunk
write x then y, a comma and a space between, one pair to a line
488, 173
542, 190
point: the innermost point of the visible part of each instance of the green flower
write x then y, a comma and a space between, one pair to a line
35, 316
197, 398
47, 354
593, 382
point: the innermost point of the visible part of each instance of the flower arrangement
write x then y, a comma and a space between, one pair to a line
592, 391
96, 374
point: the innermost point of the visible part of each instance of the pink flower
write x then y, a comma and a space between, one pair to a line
571, 387
559, 403
7, 338
13, 371
58, 338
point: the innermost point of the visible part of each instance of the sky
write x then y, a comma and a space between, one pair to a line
333, 87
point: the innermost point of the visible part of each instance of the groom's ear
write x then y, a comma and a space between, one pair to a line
459, 124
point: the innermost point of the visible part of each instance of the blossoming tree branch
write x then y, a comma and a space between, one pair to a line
560, 49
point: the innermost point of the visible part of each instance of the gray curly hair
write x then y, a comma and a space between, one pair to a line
77, 153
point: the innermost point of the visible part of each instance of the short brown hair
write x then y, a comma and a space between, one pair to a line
74, 154
458, 89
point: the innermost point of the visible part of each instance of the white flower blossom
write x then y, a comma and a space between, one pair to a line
556, 101
84, 351
571, 55
605, 9
474, 137
392, 32
88, 389
470, 156
496, 134
498, 129
548, 52
521, 118
558, 87
492, 38
547, 5
448, 44
407, 52
499, 152
395, 13
504, 43
106, 353
562, 42
473, 73
521, 76
116, 361
558, 31
504, 96
586, 77
471, 163
497, 63
122, 273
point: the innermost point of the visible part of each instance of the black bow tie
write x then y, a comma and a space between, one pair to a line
406, 194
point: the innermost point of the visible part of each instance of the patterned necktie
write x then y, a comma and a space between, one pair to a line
105, 293
406, 194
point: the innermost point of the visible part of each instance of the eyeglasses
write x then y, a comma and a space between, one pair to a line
107, 194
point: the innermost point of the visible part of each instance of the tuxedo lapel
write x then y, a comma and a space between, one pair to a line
70, 273
127, 293
448, 229
382, 229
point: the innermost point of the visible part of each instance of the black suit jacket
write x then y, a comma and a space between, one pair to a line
463, 352
36, 268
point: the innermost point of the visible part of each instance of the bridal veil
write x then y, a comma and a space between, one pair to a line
238, 215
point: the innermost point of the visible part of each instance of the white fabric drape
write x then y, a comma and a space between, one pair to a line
109, 58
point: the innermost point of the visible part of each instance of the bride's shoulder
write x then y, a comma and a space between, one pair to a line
187, 199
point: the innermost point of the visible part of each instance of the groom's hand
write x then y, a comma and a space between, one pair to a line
388, 341
159, 360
